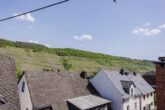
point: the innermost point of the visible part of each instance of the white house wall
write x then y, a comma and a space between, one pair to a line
107, 90
131, 103
147, 101
25, 100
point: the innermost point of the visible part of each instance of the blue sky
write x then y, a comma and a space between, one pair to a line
130, 28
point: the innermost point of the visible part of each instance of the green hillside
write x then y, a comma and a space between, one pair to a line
35, 57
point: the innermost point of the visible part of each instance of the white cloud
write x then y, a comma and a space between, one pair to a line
47, 45
139, 30
146, 31
143, 30
37, 42
83, 37
162, 26
147, 24
27, 17
34, 41
152, 32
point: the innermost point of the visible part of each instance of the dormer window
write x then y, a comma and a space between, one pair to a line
23, 86
128, 87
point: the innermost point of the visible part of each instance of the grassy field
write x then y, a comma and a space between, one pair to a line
28, 60
37, 57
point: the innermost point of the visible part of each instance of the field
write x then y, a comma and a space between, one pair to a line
34, 57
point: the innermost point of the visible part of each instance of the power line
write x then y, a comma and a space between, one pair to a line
34, 10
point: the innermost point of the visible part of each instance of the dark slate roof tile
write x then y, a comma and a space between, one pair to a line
8, 83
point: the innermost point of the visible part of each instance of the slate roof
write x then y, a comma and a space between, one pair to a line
88, 102
141, 86
126, 84
8, 84
53, 88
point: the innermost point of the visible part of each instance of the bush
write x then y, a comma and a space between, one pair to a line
47, 69
18, 72
66, 65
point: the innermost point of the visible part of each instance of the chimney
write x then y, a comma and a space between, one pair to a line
83, 74
126, 73
122, 71
162, 59
160, 82
134, 73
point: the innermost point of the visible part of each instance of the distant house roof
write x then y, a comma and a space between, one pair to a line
88, 102
53, 88
151, 73
8, 84
150, 77
141, 86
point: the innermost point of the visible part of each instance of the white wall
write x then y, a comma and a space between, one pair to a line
107, 90
147, 101
131, 101
25, 100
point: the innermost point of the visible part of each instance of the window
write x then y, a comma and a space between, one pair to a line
128, 107
151, 94
106, 107
144, 108
151, 103
23, 86
131, 92
144, 97
147, 95
135, 105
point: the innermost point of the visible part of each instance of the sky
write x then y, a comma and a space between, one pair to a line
128, 28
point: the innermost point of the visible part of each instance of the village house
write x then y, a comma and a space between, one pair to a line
127, 91
58, 91
9, 99
150, 77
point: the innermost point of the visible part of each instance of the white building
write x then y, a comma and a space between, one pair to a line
127, 91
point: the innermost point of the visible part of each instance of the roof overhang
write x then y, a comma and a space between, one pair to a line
88, 102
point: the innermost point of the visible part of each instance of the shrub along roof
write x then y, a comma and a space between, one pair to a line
53, 88
8, 84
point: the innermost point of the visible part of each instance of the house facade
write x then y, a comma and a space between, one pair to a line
58, 91
127, 91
